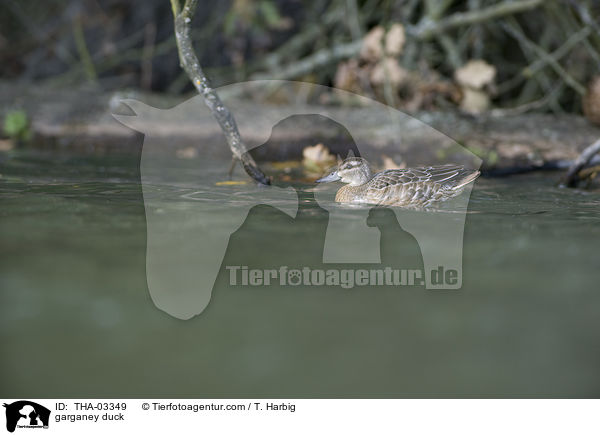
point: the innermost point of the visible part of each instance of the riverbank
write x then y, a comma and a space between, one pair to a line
81, 121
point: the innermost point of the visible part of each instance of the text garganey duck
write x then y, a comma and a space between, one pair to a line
412, 187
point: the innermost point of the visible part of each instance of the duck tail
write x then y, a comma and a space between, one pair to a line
468, 178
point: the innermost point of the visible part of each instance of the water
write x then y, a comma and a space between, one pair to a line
76, 317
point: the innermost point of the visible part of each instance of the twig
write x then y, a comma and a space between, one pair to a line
82, 50
314, 61
191, 65
573, 176
540, 79
531, 69
388, 89
451, 50
407, 9
569, 80
299, 41
24, 20
477, 44
434, 9
524, 108
428, 28
353, 19
585, 16
147, 55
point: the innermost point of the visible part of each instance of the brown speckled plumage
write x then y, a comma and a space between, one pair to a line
413, 187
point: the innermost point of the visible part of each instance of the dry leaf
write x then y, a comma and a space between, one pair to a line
474, 101
347, 76
394, 40
388, 69
372, 48
230, 183
473, 77
286, 165
6, 144
389, 163
475, 74
591, 101
318, 154
187, 153
317, 158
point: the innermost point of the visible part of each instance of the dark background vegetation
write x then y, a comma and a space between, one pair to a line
544, 56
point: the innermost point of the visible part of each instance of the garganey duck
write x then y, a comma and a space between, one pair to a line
412, 187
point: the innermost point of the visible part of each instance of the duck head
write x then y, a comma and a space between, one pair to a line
354, 171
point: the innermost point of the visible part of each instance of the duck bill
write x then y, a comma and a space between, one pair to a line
329, 178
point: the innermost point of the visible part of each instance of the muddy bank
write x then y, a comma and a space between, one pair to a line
80, 120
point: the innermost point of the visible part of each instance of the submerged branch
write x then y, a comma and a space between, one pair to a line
191, 65
573, 175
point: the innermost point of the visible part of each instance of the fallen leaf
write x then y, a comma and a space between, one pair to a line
474, 101
318, 154
388, 69
6, 145
372, 47
394, 40
475, 74
187, 153
230, 183
389, 163
591, 101
347, 76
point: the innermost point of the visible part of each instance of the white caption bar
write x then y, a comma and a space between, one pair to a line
262, 416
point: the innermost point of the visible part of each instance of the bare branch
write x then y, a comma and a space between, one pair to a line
428, 28
314, 61
524, 108
531, 69
191, 66
573, 176
569, 80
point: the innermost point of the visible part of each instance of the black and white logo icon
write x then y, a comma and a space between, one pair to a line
26, 414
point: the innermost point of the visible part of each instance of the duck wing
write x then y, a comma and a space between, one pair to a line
419, 186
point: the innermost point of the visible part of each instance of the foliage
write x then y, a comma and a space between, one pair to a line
545, 52
16, 125
261, 15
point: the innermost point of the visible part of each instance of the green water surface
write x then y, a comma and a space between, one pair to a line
77, 320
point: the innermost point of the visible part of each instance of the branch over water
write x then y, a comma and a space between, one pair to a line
191, 65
